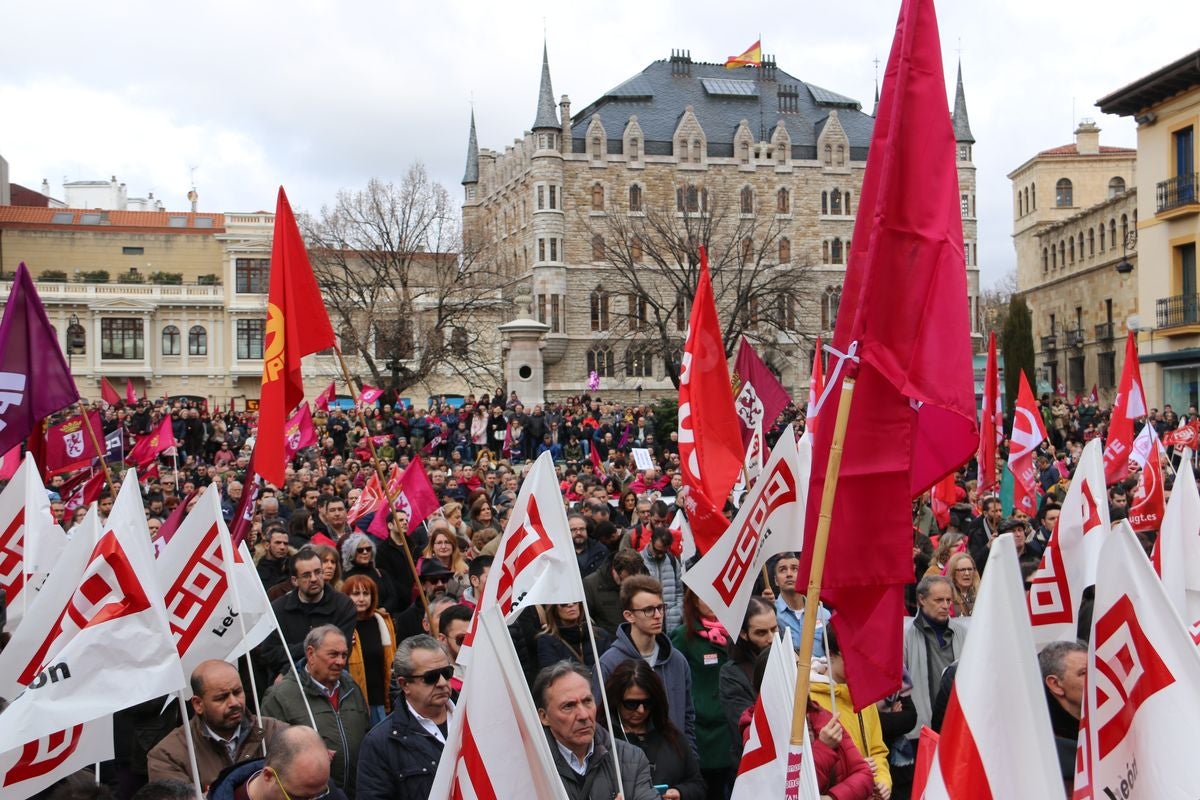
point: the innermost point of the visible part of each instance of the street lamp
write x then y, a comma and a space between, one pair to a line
1124, 266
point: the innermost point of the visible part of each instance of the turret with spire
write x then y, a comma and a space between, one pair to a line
547, 109
471, 174
962, 125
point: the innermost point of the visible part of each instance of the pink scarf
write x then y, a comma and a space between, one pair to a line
713, 631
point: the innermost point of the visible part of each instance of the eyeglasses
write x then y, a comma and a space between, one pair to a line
650, 611
365, 550
289, 795
634, 705
430, 677
964, 569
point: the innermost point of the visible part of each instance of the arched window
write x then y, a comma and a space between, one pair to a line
639, 361
1062, 252
1101, 226
1020, 205
597, 247
846, 203
1063, 194
747, 200
600, 361
835, 203
458, 342
841, 155
825, 252
783, 201
785, 250
76, 339
1079, 244
170, 341
745, 148
829, 307
1091, 242
1053, 257
1045, 259
1116, 186
824, 202
635, 198
696, 153
1112, 233
596, 148
693, 198
197, 341
1071, 249
597, 197
829, 155
835, 251
599, 310
633, 149
1124, 228
1033, 196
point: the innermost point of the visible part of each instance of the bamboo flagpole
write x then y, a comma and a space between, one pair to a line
87, 423
813, 597
391, 499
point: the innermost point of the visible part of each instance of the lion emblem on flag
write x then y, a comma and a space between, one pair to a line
74, 443
749, 406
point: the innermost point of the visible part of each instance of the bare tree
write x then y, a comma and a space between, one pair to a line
650, 265
994, 302
408, 299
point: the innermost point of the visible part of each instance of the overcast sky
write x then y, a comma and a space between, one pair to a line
319, 96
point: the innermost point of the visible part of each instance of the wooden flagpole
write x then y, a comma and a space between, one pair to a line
87, 423
820, 545
391, 500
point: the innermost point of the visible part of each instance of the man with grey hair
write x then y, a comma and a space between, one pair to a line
1064, 677
338, 707
399, 757
932, 641
298, 767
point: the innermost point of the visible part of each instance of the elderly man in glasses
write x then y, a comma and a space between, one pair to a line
399, 757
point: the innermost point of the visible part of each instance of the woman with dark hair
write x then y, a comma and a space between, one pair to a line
374, 646
625, 513
705, 643
300, 528
637, 707
564, 637
736, 679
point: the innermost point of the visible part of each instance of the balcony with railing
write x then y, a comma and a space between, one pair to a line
1177, 194
1075, 338
1180, 311
1104, 332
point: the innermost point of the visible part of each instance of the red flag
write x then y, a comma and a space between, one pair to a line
943, 496
130, 395
1149, 500
371, 497
325, 397
35, 445
904, 308
816, 386
926, 747
991, 427
760, 395
710, 440
243, 517
1028, 432
595, 456
1129, 406
369, 395
147, 447
298, 432
1094, 397
67, 446
1183, 436
297, 324
107, 393
414, 493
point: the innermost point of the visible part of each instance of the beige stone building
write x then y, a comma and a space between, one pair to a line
1166, 107
783, 158
1074, 230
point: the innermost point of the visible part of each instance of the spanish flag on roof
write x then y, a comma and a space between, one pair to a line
751, 58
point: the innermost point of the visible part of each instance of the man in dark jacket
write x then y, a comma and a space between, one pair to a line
582, 750
273, 568
399, 757
297, 766
309, 605
1064, 676
602, 588
590, 554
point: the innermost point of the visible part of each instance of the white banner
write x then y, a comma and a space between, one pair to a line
1177, 550
30, 541
30, 768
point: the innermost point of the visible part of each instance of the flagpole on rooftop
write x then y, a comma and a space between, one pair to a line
391, 499
820, 544
87, 423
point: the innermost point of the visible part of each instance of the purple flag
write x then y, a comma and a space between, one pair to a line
34, 378
239, 526
760, 395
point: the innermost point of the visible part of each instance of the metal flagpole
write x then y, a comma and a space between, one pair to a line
191, 746
230, 567
587, 616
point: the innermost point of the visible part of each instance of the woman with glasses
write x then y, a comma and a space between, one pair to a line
374, 647
736, 679
637, 707
564, 637
358, 558
964, 583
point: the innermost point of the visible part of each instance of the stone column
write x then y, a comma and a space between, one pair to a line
523, 370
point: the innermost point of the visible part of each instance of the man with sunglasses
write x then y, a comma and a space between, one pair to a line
400, 755
297, 768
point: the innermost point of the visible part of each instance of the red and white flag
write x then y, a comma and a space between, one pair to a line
1176, 556
1028, 433
30, 541
1149, 496
760, 395
414, 493
975, 756
1139, 740
991, 426
370, 498
210, 593
130, 394
369, 395
764, 768
68, 446
98, 620
36, 765
1130, 405
1093, 397
1186, 435
147, 447
1069, 563
323, 400
816, 385
770, 521
298, 432
496, 747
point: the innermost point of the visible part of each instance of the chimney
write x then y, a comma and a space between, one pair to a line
1087, 137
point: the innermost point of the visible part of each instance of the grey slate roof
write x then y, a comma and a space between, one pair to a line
962, 125
547, 111
471, 174
659, 98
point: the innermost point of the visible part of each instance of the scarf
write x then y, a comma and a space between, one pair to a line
713, 631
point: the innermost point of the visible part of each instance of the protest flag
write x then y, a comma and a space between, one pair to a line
30, 540
1176, 556
1028, 433
130, 393
297, 324
323, 400
148, 446
299, 432
991, 427
1129, 406
107, 393
66, 447
760, 395
1147, 504
39, 764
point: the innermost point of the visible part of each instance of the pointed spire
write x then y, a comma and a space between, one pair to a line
547, 111
471, 175
962, 125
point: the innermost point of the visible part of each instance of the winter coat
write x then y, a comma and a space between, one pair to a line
342, 729
398, 759
599, 782
233, 778
705, 660
737, 696
569, 645
922, 653
592, 558
169, 759
667, 571
863, 726
296, 619
668, 766
356, 667
670, 665
603, 597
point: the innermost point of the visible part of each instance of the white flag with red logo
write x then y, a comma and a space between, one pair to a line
991, 749
496, 747
206, 610
1069, 563
96, 639
1177, 550
34, 766
763, 771
1142, 714
30, 542
1149, 496
1028, 433
535, 561
770, 521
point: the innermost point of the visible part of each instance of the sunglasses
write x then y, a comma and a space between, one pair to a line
634, 705
365, 550
432, 676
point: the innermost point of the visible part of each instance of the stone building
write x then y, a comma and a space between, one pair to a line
1166, 107
679, 139
1074, 230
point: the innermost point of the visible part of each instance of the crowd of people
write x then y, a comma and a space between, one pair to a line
368, 655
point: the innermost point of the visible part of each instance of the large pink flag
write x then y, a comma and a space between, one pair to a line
298, 432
